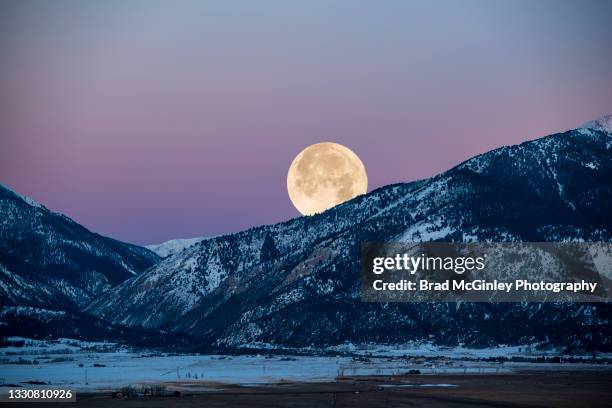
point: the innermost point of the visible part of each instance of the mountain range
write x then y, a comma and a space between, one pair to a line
49, 260
297, 283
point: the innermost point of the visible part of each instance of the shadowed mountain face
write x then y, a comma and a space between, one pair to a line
304, 290
48, 260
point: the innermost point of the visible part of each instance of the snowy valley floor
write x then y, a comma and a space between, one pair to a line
390, 377
518, 390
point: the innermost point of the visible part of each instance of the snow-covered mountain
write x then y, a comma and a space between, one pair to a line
297, 283
603, 124
173, 246
48, 260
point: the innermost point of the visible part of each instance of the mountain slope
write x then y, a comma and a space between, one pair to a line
35, 323
173, 246
227, 293
48, 260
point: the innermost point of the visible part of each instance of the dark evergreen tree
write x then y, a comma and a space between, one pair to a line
268, 249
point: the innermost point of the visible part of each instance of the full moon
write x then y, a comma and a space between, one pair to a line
324, 175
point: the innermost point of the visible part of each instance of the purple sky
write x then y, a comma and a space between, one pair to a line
149, 120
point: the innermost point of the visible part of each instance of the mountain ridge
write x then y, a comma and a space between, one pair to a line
555, 188
49, 260
604, 124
